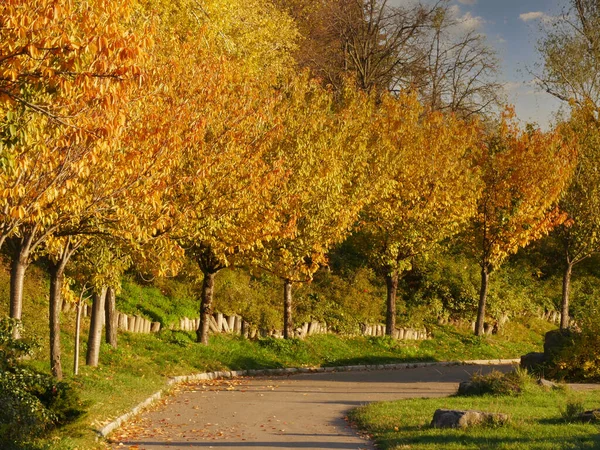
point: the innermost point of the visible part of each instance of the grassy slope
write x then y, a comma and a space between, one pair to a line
536, 423
142, 363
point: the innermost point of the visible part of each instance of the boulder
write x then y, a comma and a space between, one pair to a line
532, 360
453, 418
590, 416
547, 384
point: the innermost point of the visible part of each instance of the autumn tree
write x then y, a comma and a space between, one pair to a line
581, 200
61, 83
523, 173
99, 266
429, 188
324, 147
90, 199
110, 214
219, 66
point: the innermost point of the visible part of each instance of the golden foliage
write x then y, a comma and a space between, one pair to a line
524, 173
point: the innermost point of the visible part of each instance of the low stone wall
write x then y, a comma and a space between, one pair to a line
399, 333
235, 324
550, 316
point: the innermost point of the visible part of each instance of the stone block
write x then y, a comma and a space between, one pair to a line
237, 326
122, 323
131, 324
225, 325
453, 418
138, 324
213, 325
590, 416
547, 383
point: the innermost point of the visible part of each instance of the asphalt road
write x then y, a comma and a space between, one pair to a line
304, 411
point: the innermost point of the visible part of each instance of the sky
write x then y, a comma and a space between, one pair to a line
513, 28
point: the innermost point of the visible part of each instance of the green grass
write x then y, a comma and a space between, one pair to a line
536, 422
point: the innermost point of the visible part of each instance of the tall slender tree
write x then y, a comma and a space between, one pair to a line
579, 235
324, 146
429, 190
220, 62
524, 173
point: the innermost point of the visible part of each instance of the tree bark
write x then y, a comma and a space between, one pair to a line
19, 264
95, 336
391, 281
208, 286
485, 279
288, 323
566, 288
110, 310
57, 276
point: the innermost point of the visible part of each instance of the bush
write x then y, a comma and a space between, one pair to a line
573, 410
496, 383
32, 402
579, 358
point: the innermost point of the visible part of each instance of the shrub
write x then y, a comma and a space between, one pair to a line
579, 358
573, 410
32, 402
496, 383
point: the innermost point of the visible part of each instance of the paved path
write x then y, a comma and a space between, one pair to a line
300, 411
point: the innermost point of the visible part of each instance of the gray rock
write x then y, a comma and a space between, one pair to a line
532, 360
546, 383
590, 416
453, 418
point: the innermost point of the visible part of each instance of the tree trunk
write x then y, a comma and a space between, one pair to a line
57, 275
485, 279
110, 310
391, 281
288, 323
19, 264
77, 335
208, 286
566, 288
95, 336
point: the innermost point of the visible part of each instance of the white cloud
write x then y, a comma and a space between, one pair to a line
534, 15
472, 22
466, 21
467, 2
